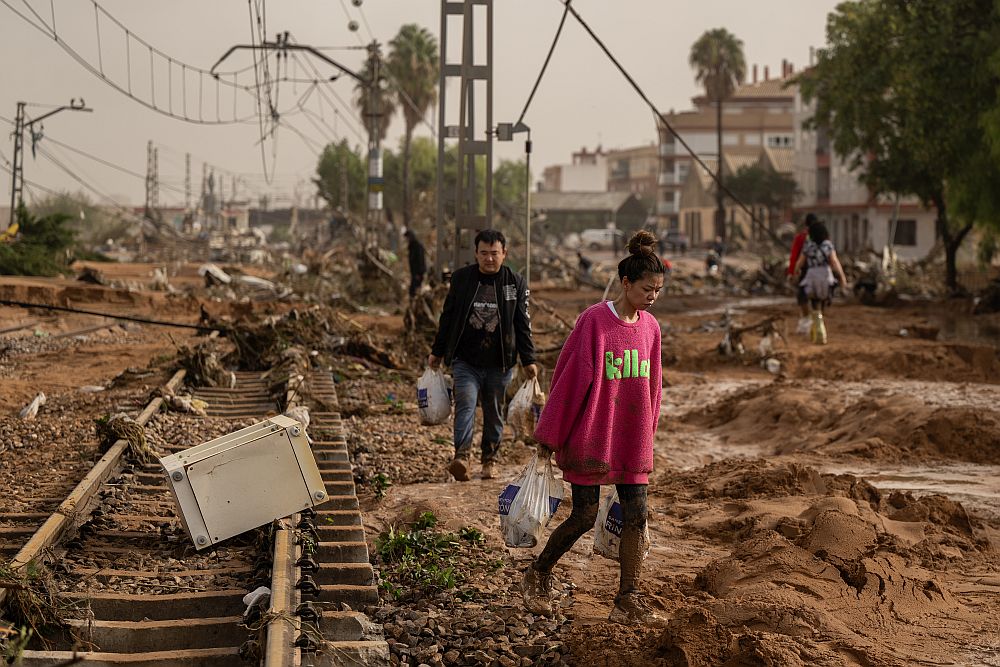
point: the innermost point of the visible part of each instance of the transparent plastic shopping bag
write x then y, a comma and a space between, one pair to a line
524, 409
433, 397
527, 504
608, 528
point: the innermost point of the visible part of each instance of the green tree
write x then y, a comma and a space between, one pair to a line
90, 223
905, 90
336, 161
413, 73
423, 171
42, 247
508, 189
758, 187
717, 59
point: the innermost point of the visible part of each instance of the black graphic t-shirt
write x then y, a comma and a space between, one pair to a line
480, 342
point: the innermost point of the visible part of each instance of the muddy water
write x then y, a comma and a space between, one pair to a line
975, 486
968, 329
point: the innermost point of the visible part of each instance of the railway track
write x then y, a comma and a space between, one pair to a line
134, 590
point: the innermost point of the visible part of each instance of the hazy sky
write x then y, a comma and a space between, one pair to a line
582, 101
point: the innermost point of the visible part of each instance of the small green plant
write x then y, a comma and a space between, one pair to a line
381, 484
471, 534
441, 441
425, 520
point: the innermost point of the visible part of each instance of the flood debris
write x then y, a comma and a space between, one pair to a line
111, 429
31, 409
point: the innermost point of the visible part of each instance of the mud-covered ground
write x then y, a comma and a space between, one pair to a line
845, 511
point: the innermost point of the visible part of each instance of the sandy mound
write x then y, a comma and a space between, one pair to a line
825, 570
793, 417
857, 361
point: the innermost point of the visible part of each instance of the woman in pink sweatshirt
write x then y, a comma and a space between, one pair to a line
599, 421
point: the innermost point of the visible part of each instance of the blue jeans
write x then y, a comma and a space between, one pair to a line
474, 384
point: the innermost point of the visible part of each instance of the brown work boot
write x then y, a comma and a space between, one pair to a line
489, 470
537, 590
631, 609
459, 468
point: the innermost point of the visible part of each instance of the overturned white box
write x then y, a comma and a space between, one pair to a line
244, 480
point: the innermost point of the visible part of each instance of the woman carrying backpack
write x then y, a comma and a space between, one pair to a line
820, 261
600, 419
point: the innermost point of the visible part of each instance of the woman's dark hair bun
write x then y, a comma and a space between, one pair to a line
642, 243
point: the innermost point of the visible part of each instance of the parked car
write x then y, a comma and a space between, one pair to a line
676, 240
602, 239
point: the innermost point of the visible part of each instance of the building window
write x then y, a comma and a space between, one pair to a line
906, 232
783, 141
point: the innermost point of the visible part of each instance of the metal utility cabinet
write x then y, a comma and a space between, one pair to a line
244, 480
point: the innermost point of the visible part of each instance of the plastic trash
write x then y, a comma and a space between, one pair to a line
525, 407
608, 528
31, 409
528, 503
259, 597
433, 397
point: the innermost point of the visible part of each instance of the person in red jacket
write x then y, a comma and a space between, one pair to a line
796, 279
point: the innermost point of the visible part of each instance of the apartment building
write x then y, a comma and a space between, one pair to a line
759, 114
635, 170
587, 172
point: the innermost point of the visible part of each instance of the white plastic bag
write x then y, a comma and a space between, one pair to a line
527, 504
433, 399
608, 528
525, 407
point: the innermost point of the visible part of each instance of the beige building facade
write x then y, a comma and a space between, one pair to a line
759, 115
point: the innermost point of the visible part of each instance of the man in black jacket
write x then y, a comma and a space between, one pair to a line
484, 328
418, 261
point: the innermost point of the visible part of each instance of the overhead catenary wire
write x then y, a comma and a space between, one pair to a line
128, 318
40, 24
638, 89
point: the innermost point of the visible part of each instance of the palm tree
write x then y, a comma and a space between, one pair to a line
413, 74
717, 59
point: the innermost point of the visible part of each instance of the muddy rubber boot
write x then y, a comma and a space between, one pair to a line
631, 609
536, 587
804, 326
459, 468
820, 329
813, 329
489, 470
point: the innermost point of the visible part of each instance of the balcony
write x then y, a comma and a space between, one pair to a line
665, 208
667, 178
667, 149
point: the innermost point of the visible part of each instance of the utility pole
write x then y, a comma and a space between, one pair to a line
22, 123
282, 45
17, 168
472, 145
376, 183
152, 180
187, 182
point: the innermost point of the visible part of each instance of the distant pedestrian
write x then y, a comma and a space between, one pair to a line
796, 277
484, 328
819, 259
600, 420
585, 264
417, 256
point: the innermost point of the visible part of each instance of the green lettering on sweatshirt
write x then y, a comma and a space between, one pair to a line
626, 366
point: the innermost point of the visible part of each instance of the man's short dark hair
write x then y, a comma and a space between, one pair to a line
489, 237
811, 219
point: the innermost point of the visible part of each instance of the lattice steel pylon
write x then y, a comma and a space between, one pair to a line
475, 143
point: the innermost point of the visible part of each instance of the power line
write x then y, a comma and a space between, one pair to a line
638, 89
541, 73
127, 89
